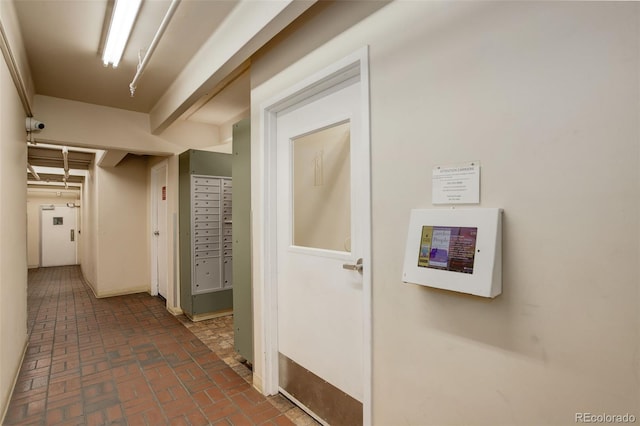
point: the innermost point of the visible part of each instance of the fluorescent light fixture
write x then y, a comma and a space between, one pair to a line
122, 19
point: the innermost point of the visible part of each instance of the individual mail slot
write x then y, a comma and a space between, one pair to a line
227, 230
227, 183
207, 232
226, 218
210, 253
226, 246
228, 272
206, 210
207, 218
206, 247
207, 189
227, 238
205, 240
226, 203
227, 210
205, 199
227, 253
206, 225
206, 181
205, 203
227, 196
207, 275
206, 196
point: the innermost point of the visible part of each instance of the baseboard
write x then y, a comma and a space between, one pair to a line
15, 380
122, 292
88, 283
175, 311
209, 315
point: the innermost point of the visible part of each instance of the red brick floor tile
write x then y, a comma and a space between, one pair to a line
220, 410
124, 361
262, 412
196, 418
239, 419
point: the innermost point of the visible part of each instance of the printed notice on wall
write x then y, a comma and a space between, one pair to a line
456, 184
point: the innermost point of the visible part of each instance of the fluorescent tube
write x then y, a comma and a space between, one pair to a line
122, 19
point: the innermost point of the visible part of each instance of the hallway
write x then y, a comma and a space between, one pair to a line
123, 360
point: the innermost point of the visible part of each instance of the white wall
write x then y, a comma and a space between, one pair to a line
545, 96
35, 198
13, 236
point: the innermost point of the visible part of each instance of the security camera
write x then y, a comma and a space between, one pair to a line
33, 124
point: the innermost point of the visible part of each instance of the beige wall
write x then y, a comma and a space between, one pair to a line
35, 198
545, 96
13, 236
88, 248
94, 126
122, 228
11, 29
114, 254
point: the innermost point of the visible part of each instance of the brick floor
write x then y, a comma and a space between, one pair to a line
125, 361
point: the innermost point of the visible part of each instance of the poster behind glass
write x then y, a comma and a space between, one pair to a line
449, 248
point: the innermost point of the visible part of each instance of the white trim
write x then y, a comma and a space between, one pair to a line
353, 68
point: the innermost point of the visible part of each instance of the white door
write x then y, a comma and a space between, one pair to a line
58, 235
159, 272
322, 198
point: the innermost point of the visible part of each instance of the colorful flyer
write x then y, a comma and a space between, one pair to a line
449, 248
425, 246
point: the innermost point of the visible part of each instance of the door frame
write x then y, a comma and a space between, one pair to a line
353, 69
153, 222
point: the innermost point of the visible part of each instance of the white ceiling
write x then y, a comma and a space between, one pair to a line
63, 43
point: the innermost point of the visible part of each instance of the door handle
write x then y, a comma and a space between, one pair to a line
352, 267
156, 233
73, 236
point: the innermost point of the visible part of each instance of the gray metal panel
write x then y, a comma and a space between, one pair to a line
207, 197
212, 302
184, 230
210, 163
241, 215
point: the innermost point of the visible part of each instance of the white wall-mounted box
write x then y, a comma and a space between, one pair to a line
455, 249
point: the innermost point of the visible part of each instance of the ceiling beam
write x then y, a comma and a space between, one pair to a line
249, 27
47, 177
111, 158
46, 157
